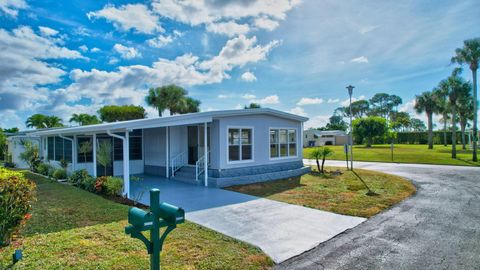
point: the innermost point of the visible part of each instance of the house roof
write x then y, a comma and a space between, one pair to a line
326, 132
175, 120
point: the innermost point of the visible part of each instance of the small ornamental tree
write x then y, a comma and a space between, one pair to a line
369, 128
31, 155
104, 155
16, 196
320, 153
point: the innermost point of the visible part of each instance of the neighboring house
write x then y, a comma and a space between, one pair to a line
243, 146
314, 137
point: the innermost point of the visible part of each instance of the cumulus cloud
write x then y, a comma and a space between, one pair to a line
222, 96
249, 96
95, 49
248, 76
333, 100
83, 48
126, 52
317, 121
135, 17
298, 111
47, 31
273, 99
220, 16
160, 41
309, 101
229, 28
360, 59
11, 7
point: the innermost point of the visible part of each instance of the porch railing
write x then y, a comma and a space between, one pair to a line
200, 166
178, 162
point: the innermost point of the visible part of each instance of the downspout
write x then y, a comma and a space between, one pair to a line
126, 161
73, 149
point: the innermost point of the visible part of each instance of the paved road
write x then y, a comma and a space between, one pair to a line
281, 230
437, 228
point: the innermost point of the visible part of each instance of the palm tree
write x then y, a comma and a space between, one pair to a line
441, 96
54, 121
465, 110
426, 102
84, 119
470, 54
321, 153
455, 87
190, 105
36, 121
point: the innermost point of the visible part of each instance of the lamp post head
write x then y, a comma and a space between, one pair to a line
350, 89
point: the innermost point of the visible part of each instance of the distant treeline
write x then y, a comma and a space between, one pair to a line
420, 138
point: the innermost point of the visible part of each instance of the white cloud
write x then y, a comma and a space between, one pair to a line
126, 52
346, 102
160, 41
249, 96
83, 48
317, 121
238, 107
266, 23
309, 101
47, 31
367, 29
273, 99
248, 76
113, 61
333, 100
229, 28
298, 111
219, 16
222, 96
361, 59
132, 16
11, 7
95, 49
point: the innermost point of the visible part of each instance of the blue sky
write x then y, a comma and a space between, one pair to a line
64, 57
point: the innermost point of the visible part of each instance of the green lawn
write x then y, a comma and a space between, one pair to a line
405, 153
341, 193
74, 229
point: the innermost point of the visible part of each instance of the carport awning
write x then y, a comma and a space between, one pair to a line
128, 125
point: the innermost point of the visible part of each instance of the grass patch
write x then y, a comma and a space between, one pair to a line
341, 193
74, 229
404, 153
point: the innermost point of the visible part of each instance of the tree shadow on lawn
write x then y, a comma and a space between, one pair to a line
62, 207
265, 189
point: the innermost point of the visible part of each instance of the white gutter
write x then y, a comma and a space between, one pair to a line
126, 161
73, 149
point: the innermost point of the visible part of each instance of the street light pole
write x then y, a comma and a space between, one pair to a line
350, 92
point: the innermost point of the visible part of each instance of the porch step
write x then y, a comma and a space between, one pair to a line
184, 174
190, 180
187, 169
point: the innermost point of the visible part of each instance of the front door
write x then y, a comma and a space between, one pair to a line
196, 143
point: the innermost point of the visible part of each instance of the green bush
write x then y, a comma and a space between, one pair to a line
99, 183
45, 169
60, 174
113, 186
16, 196
78, 176
88, 184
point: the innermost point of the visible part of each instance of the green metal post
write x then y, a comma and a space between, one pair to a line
155, 231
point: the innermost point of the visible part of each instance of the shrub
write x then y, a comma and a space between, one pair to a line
64, 164
45, 169
60, 174
100, 181
88, 184
16, 195
78, 176
31, 154
113, 186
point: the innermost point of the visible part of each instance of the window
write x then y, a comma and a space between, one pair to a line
240, 144
59, 149
283, 143
84, 143
135, 149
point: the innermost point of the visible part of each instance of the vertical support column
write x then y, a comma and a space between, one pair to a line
94, 143
126, 164
205, 153
45, 156
74, 153
167, 152
300, 147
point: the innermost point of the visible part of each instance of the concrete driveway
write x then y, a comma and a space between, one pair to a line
281, 230
438, 228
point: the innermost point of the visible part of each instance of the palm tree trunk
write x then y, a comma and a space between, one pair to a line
454, 133
463, 124
475, 138
430, 131
318, 166
323, 163
159, 112
444, 130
